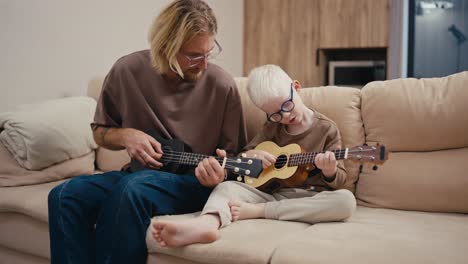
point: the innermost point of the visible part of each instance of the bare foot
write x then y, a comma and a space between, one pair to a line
243, 210
202, 229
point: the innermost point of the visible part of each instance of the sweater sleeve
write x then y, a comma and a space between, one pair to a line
334, 142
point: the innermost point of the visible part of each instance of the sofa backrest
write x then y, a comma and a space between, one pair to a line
423, 123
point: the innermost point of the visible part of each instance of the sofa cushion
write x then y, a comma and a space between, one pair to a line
110, 160
434, 181
13, 256
30, 200
342, 105
254, 117
34, 238
423, 123
379, 236
12, 174
417, 114
41, 134
236, 244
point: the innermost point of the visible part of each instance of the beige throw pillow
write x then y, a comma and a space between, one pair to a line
41, 134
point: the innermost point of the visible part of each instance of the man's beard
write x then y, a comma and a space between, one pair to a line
192, 76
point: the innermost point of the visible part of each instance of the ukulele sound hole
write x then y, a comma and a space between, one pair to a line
281, 161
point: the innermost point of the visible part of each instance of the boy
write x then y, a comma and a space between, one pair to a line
290, 121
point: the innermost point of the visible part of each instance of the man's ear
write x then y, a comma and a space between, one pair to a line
297, 85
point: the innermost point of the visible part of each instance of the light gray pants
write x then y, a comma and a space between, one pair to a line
287, 204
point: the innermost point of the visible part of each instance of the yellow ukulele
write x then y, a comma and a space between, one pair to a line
289, 169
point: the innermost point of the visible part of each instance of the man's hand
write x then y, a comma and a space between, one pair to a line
327, 163
267, 158
142, 147
209, 172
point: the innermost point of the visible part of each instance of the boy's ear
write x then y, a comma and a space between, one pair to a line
297, 85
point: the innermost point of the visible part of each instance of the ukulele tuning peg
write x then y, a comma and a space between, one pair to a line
244, 155
375, 167
239, 178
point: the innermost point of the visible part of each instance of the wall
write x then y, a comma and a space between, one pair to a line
52, 48
397, 57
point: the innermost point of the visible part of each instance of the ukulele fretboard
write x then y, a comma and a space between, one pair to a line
186, 158
309, 157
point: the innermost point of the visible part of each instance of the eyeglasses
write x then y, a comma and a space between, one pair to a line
287, 106
213, 53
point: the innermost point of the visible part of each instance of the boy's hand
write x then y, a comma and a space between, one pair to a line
209, 172
327, 163
267, 158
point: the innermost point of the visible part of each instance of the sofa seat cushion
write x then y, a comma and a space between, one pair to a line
33, 238
379, 236
13, 256
248, 241
30, 200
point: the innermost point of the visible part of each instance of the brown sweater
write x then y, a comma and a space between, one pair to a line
321, 136
205, 114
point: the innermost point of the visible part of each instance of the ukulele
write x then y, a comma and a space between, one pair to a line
290, 168
178, 158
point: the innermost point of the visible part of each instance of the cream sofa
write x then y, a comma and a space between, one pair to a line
413, 209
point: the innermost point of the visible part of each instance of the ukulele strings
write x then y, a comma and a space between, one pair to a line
174, 156
186, 156
305, 156
193, 157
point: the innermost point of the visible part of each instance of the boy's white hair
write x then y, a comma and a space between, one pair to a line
266, 83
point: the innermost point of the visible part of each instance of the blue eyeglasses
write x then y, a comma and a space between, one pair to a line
287, 106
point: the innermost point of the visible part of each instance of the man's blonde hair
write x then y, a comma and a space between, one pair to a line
178, 23
268, 82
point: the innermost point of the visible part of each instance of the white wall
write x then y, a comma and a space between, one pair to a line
397, 57
52, 48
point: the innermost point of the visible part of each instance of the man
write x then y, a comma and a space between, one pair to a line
173, 90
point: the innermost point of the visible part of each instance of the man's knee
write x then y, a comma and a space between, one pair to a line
74, 187
137, 184
54, 195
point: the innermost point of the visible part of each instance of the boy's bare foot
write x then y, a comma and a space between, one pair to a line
243, 210
202, 229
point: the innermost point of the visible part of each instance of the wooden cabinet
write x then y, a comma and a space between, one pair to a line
285, 33
354, 24
289, 32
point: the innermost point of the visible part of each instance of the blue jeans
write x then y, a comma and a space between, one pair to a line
103, 218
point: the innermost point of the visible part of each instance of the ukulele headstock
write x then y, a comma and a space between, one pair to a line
245, 166
377, 154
